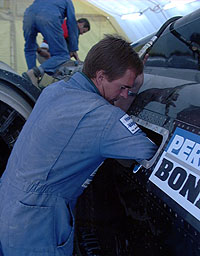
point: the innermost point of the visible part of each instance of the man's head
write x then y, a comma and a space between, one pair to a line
113, 66
83, 25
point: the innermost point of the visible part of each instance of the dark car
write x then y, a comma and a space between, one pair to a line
156, 210
153, 209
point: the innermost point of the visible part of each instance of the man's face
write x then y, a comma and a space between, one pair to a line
112, 91
124, 104
82, 30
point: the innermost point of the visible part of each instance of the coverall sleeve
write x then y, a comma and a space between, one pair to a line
123, 139
72, 27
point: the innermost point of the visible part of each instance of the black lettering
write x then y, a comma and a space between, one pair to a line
193, 191
178, 171
164, 169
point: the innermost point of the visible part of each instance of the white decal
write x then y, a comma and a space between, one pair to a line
178, 171
128, 122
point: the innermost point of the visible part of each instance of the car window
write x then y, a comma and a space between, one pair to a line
179, 48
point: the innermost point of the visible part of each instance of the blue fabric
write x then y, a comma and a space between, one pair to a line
70, 132
46, 17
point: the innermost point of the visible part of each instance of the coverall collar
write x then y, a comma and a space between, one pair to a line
91, 86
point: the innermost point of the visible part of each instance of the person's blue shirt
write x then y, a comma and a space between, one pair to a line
70, 132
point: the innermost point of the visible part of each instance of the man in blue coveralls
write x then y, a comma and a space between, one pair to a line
43, 51
46, 17
72, 129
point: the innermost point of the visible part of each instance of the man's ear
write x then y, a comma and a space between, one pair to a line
100, 76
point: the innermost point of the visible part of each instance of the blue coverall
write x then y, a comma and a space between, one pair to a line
70, 132
46, 17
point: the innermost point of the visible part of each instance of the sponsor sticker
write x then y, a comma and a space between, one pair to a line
178, 171
128, 122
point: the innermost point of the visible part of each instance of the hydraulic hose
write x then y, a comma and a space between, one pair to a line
147, 47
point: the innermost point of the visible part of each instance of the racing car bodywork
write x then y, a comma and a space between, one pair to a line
150, 210
156, 210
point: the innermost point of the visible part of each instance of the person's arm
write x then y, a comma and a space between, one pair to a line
72, 27
123, 139
75, 55
43, 52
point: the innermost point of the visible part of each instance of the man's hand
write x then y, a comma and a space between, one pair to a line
43, 52
75, 55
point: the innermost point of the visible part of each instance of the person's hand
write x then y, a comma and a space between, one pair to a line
44, 52
75, 55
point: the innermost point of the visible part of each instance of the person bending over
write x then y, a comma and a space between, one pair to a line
46, 17
72, 129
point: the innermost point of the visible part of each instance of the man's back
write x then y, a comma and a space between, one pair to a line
52, 6
70, 145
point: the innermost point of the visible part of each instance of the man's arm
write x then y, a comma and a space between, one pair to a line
43, 52
75, 55
72, 27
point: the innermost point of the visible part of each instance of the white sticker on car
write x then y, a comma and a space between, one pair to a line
177, 172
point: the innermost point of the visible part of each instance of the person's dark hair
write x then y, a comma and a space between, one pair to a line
114, 56
86, 23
